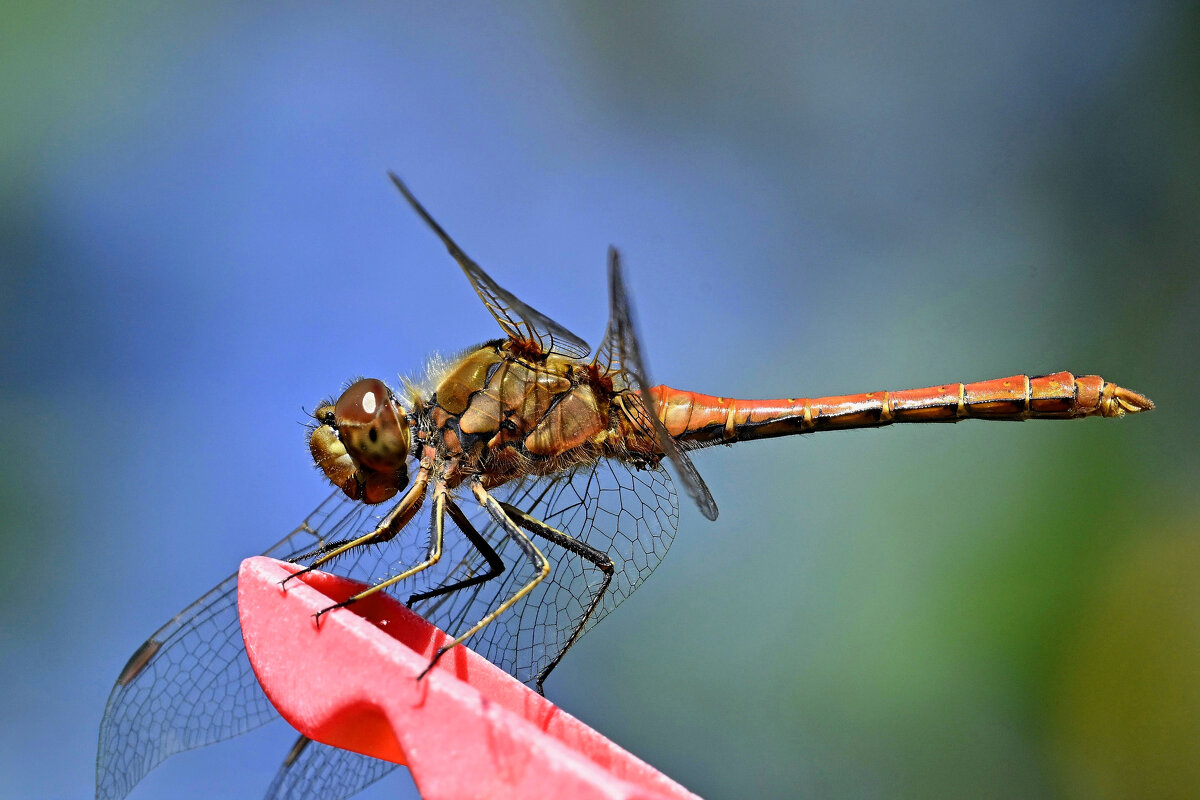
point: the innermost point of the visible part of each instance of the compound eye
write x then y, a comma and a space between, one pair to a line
372, 425
362, 402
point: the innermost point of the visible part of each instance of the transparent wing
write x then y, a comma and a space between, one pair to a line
316, 770
621, 357
191, 683
627, 512
518, 320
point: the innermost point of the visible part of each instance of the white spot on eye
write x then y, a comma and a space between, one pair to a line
368, 402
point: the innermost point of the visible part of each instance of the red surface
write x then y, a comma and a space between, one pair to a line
467, 729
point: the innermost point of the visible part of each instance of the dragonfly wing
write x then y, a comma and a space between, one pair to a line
518, 320
315, 770
620, 355
628, 512
191, 683
625, 511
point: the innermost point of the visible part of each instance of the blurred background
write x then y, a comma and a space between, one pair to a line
197, 239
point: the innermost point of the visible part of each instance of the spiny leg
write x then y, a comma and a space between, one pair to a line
495, 564
527, 546
388, 527
598, 559
434, 554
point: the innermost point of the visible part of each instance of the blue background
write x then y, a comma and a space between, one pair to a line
197, 240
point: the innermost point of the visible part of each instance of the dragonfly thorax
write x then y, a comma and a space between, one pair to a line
361, 442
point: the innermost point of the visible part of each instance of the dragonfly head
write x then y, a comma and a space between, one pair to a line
361, 442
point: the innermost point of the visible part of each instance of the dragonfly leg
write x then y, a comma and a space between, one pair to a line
495, 563
388, 527
497, 512
435, 551
599, 559
297, 749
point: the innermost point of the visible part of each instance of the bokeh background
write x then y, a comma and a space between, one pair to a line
198, 240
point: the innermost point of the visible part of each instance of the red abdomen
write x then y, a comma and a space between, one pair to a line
704, 419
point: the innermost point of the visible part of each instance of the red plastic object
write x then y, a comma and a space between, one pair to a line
467, 729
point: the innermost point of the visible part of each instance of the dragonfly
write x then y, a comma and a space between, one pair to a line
513, 495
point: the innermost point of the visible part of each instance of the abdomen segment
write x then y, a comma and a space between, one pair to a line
702, 419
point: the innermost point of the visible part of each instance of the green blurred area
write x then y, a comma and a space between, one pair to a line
1126, 714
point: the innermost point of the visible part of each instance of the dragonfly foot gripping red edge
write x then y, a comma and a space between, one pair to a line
468, 729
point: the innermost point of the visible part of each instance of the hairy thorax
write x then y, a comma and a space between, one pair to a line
505, 413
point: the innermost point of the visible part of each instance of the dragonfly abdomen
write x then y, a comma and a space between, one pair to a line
701, 419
